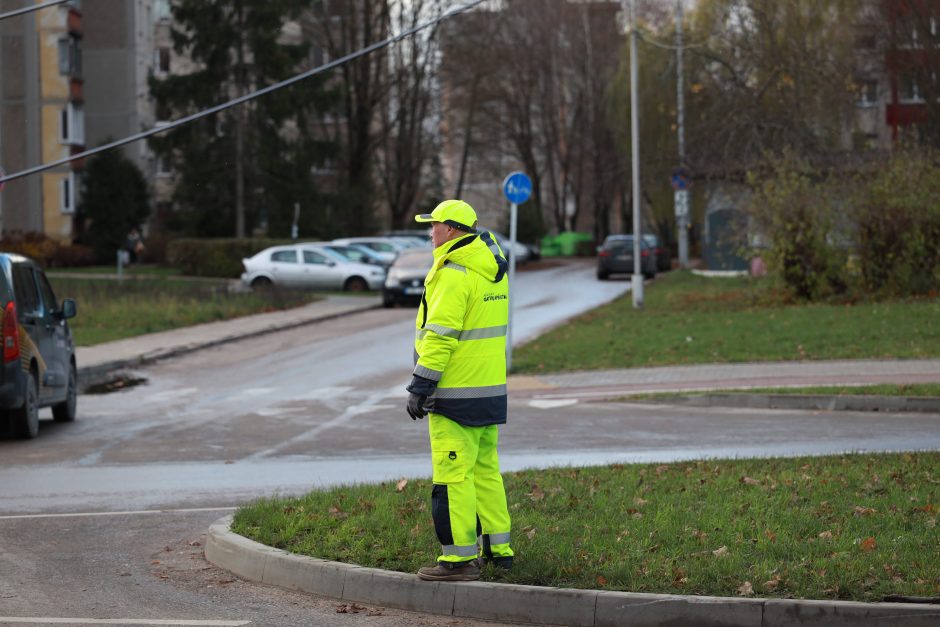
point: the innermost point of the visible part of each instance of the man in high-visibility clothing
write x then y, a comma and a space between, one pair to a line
460, 379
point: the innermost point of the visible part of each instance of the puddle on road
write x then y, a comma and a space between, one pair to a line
115, 383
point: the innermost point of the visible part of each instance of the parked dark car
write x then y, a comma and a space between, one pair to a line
405, 280
615, 256
663, 258
38, 368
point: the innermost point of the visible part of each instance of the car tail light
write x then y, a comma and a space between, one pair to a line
11, 334
604, 253
645, 253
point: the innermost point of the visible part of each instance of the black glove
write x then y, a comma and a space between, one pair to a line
416, 406
418, 392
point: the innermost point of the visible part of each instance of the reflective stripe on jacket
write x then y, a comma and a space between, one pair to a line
461, 330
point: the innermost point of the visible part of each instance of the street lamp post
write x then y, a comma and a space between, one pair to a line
637, 285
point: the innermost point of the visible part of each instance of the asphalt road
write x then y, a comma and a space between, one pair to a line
105, 518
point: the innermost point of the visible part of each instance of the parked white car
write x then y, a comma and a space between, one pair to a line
386, 247
300, 266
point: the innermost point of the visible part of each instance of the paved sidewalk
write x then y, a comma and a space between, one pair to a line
95, 362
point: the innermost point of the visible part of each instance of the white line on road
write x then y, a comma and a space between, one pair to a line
121, 513
45, 620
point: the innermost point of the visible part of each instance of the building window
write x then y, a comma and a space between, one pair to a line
70, 57
161, 60
72, 125
909, 89
161, 9
868, 93
164, 166
67, 193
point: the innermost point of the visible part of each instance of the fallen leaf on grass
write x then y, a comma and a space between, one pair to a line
531, 533
929, 508
400, 486
749, 481
771, 536
601, 580
537, 494
720, 551
868, 544
746, 589
826, 535
772, 584
864, 511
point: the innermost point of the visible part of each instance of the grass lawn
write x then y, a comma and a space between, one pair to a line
689, 319
856, 527
135, 270
112, 310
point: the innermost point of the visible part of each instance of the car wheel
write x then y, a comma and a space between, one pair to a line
25, 419
388, 301
65, 411
262, 283
355, 284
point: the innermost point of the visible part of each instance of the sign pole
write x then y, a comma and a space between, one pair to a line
513, 220
517, 187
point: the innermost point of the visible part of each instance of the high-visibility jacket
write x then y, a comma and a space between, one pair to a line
460, 340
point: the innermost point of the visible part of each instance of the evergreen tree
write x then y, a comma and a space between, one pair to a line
247, 166
114, 201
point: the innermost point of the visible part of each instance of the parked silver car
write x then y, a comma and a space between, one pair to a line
300, 266
405, 281
385, 247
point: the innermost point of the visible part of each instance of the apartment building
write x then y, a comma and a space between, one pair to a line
41, 117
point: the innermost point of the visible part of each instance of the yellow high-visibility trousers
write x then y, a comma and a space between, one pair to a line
468, 501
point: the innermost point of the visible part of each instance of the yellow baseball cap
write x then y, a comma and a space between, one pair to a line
455, 213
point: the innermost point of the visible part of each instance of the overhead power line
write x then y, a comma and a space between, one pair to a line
30, 9
242, 99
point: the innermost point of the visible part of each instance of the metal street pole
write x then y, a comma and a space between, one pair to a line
682, 214
637, 286
513, 221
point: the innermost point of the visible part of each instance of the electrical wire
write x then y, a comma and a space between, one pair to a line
30, 9
645, 38
242, 99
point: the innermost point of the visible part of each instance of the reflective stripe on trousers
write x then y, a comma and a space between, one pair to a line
467, 487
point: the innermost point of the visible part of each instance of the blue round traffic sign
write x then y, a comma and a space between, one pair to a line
517, 188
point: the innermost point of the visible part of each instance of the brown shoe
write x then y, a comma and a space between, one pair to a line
451, 571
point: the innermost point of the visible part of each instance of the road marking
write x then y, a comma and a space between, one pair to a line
4, 620
552, 403
137, 512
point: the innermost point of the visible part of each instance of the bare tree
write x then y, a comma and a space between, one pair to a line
406, 135
341, 27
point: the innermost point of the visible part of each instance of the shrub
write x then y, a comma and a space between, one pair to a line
797, 214
73, 256
37, 246
897, 213
215, 257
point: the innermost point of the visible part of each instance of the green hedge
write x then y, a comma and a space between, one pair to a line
220, 257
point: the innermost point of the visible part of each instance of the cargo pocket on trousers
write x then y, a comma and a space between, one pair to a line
448, 459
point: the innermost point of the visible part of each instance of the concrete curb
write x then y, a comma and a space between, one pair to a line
848, 402
535, 604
